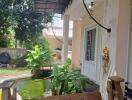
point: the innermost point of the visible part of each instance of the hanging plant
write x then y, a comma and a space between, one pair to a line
106, 60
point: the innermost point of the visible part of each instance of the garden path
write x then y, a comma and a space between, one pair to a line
4, 78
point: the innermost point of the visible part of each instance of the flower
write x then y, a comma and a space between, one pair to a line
106, 51
106, 60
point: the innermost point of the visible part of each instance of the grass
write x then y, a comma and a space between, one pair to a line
28, 89
31, 89
15, 71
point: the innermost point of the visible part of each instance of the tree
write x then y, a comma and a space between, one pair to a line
20, 16
6, 21
29, 23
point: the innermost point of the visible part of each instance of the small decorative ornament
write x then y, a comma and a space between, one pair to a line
106, 60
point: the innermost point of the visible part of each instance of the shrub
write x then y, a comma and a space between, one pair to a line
66, 81
37, 58
40, 56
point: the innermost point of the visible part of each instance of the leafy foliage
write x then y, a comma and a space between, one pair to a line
66, 81
20, 16
6, 21
38, 58
29, 23
34, 58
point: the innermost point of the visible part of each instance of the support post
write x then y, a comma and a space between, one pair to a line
65, 38
6, 92
114, 88
14, 95
6, 95
109, 90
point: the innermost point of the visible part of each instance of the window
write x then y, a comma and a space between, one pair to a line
90, 44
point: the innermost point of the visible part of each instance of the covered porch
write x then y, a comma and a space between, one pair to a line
90, 41
112, 14
107, 13
91, 44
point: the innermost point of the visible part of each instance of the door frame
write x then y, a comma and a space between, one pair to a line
87, 28
127, 77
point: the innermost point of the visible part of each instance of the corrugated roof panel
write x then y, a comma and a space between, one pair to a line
53, 6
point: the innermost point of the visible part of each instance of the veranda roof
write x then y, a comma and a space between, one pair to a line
53, 6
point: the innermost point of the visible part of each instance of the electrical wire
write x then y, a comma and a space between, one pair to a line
55, 35
108, 29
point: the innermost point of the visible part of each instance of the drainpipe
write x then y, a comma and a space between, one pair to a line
65, 38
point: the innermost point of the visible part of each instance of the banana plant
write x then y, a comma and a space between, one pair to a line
67, 81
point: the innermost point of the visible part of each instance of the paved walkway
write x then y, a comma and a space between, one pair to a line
14, 77
2, 79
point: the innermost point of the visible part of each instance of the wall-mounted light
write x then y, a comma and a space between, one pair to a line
91, 5
89, 13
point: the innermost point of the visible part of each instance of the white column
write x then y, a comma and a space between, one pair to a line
65, 38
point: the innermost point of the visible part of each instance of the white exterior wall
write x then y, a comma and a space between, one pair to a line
86, 22
122, 44
117, 17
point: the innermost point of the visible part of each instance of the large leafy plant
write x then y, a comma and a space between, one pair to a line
66, 81
40, 56
37, 58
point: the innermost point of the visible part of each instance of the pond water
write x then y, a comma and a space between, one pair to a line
31, 89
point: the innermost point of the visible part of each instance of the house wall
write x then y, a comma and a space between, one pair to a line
129, 70
109, 39
122, 44
78, 36
119, 21
86, 22
116, 15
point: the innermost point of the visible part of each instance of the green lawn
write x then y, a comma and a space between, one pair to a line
15, 71
31, 89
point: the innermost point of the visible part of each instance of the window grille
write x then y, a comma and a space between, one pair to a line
90, 45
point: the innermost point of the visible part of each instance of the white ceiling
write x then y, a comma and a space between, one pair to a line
76, 10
